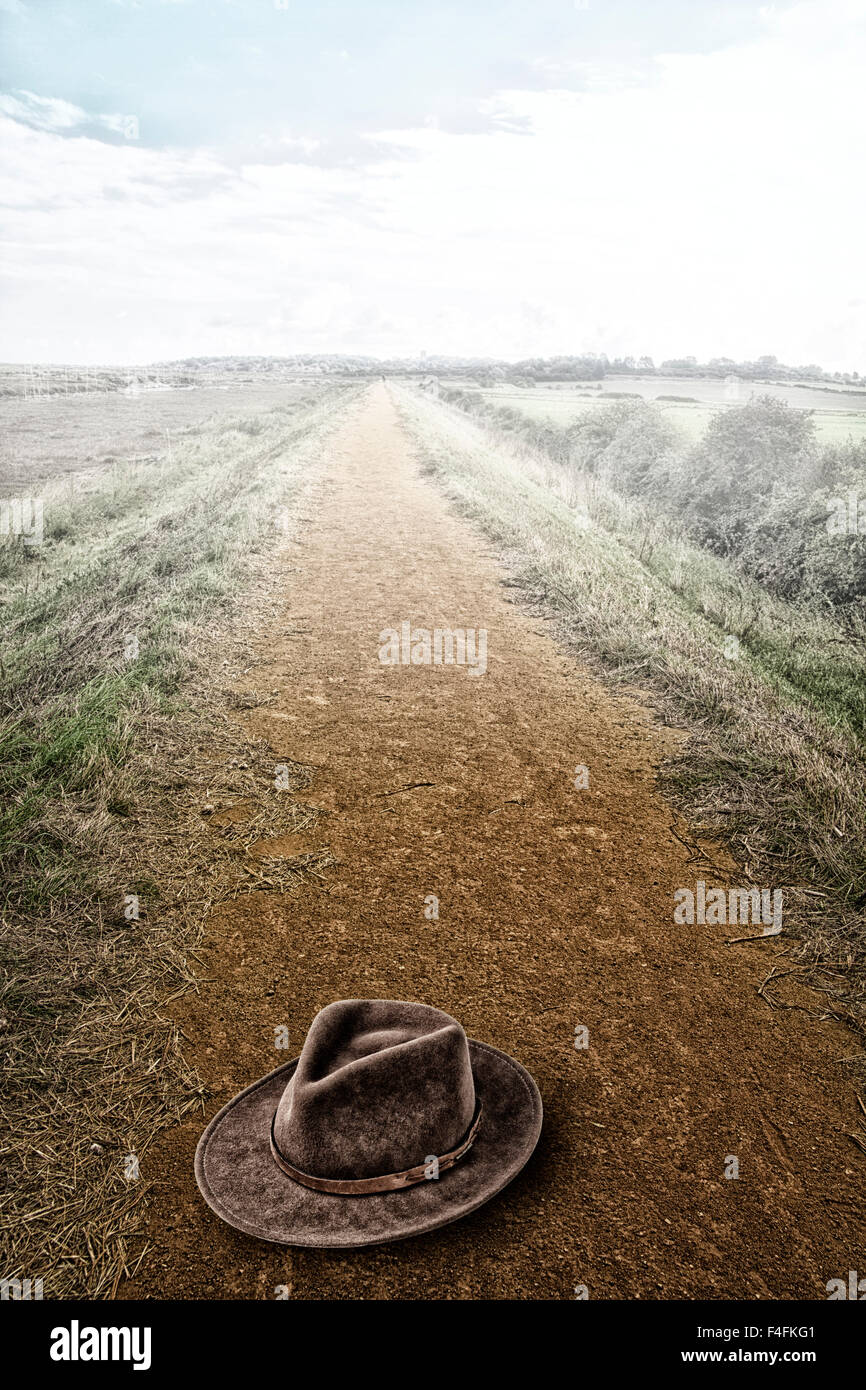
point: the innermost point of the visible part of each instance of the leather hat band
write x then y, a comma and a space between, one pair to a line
391, 1182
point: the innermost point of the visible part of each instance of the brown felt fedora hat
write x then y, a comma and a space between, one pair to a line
390, 1123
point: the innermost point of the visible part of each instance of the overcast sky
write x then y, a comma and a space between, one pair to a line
184, 177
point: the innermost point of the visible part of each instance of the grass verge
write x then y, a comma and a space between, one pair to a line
122, 642
775, 766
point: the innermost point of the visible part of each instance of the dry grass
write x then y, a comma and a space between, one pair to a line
778, 776
114, 771
93, 1058
77, 435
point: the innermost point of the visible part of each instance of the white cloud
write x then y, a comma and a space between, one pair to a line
61, 117
713, 206
43, 113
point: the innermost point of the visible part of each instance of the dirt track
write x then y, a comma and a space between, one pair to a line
555, 911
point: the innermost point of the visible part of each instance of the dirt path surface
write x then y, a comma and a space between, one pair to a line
555, 911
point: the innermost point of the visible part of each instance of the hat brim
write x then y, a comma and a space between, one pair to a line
239, 1179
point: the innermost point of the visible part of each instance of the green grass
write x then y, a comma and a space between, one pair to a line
147, 551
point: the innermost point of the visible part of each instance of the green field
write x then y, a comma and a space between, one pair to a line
561, 404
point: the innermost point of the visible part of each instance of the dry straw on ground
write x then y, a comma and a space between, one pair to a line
91, 1096
168, 810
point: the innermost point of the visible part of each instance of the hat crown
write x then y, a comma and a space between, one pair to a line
380, 1087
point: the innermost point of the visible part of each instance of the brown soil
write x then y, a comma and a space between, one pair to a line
555, 911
